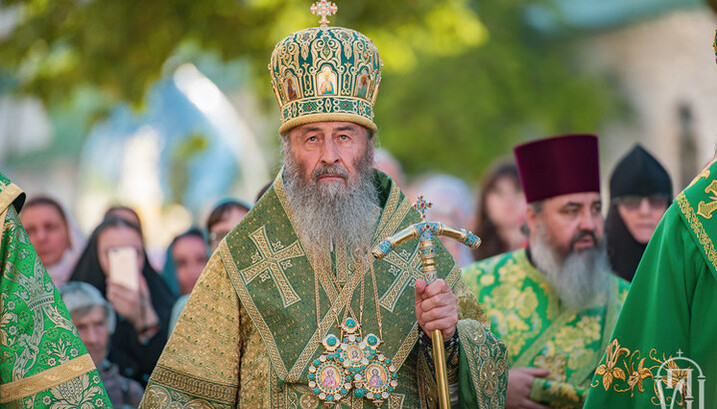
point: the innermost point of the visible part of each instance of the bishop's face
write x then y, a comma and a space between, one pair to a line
327, 153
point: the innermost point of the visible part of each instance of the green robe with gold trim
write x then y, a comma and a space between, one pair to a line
669, 315
249, 331
43, 362
539, 332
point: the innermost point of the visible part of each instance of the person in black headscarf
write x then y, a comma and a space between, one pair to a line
640, 192
143, 314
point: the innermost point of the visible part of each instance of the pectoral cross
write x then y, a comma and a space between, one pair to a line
706, 209
274, 260
324, 9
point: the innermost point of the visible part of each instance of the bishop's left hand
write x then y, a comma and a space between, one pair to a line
436, 308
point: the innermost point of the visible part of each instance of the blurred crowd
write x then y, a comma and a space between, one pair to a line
125, 322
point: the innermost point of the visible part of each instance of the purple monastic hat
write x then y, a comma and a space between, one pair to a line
558, 166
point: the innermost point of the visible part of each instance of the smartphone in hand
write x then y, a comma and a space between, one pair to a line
123, 267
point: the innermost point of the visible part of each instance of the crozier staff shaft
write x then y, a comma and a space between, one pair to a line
425, 231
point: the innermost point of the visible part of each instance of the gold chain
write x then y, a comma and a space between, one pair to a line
378, 306
348, 296
324, 266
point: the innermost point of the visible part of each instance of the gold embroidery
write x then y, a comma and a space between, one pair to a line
193, 386
8, 194
252, 310
539, 343
583, 371
270, 261
207, 341
160, 397
609, 370
394, 221
309, 401
633, 370
395, 401
46, 379
706, 209
342, 264
492, 375
389, 210
75, 393
637, 376
698, 229
326, 323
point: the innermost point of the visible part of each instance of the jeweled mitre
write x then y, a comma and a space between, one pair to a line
325, 74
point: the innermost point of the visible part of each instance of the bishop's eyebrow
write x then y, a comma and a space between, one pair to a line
311, 129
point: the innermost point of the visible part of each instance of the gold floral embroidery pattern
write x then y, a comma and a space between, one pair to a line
490, 378
77, 393
609, 370
698, 229
518, 305
629, 373
54, 376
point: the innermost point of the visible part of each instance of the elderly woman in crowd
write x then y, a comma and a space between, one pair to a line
143, 312
640, 192
95, 321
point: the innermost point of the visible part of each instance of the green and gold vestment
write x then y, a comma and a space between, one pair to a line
249, 331
669, 313
43, 362
527, 316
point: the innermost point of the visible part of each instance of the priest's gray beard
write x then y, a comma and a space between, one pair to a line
578, 277
327, 213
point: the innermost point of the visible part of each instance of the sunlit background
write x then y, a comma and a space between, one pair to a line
166, 106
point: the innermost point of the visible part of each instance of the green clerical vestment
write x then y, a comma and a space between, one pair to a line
255, 320
43, 362
539, 332
664, 347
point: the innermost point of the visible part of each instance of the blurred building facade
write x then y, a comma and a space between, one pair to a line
659, 53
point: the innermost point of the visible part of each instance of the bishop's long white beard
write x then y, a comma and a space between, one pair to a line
330, 212
577, 278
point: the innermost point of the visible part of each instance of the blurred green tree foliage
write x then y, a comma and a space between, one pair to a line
458, 90
121, 46
459, 113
